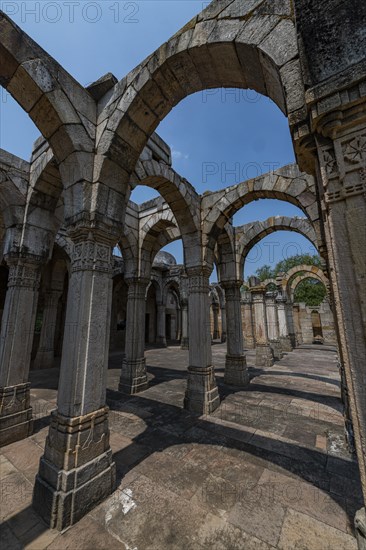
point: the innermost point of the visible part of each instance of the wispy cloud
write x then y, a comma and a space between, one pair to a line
178, 155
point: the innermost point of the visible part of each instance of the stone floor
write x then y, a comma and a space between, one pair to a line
268, 470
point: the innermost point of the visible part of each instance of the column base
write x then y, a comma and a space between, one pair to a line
76, 471
44, 360
161, 341
286, 344
276, 350
360, 526
133, 377
263, 356
249, 344
184, 343
16, 420
202, 396
236, 372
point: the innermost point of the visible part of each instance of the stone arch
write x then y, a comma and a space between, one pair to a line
160, 234
59, 106
268, 282
287, 184
309, 270
230, 44
296, 280
224, 255
250, 234
181, 197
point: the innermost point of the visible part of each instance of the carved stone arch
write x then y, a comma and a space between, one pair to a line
155, 283
229, 44
303, 269
248, 235
181, 197
296, 280
224, 255
173, 283
287, 184
59, 106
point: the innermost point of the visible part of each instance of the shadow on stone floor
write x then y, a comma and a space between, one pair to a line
167, 426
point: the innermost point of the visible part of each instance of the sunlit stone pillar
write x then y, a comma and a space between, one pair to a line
272, 325
297, 324
16, 340
264, 355
76, 471
236, 372
161, 325
202, 395
283, 328
46, 350
184, 312
248, 324
133, 375
342, 180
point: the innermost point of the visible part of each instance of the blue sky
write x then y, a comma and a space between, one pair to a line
218, 138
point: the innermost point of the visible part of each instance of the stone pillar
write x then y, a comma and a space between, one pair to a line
161, 325
327, 321
133, 375
76, 471
291, 323
184, 312
202, 395
342, 180
306, 324
272, 325
248, 325
46, 350
283, 329
17, 331
236, 373
264, 355
297, 324
216, 331
223, 324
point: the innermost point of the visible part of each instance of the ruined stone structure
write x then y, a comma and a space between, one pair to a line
69, 207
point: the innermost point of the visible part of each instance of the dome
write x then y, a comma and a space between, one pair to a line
164, 260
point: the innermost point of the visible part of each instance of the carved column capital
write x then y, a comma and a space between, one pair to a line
24, 270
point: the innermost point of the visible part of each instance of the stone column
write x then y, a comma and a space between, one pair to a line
291, 323
272, 326
297, 324
46, 350
161, 325
264, 355
236, 373
17, 331
248, 325
283, 329
306, 324
216, 331
184, 312
223, 324
202, 395
76, 471
342, 182
133, 375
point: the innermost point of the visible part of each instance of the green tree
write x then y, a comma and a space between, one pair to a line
293, 261
311, 292
264, 272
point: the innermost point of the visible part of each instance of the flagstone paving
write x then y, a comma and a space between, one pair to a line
269, 469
